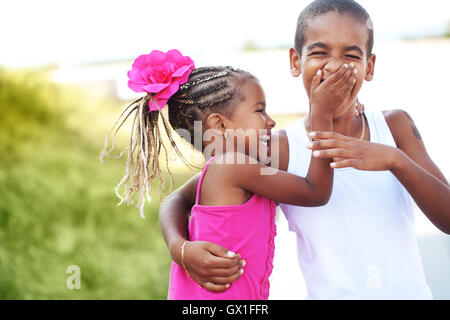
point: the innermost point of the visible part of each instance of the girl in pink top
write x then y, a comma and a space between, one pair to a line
249, 229
223, 110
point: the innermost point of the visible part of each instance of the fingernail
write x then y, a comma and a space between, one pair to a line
332, 164
244, 263
230, 254
242, 271
345, 66
355, 71
312, 134
227, 285
316, 153
318, 72
309, 145
351, 65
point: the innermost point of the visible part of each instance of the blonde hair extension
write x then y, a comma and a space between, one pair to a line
144, 149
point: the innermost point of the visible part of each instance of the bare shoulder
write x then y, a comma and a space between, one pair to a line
231, 168
396, 115
401, 125
230, 161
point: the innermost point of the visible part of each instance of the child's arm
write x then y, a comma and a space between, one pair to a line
409, 162
315, 188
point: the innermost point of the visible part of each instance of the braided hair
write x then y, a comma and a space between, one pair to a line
208, 90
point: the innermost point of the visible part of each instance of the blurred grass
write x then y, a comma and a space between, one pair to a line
57, 202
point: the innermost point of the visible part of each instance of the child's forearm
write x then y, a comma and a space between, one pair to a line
173, 219
431, 194
320, 175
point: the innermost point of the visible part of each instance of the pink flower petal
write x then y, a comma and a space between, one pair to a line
174, 55
181, 71
155, 87
135, 87
168, 92
155, 57
135, 76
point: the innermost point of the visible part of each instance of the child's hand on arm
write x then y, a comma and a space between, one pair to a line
210, 265
409, 162
213, 267
352, 152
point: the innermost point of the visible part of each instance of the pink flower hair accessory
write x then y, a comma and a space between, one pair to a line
159, 74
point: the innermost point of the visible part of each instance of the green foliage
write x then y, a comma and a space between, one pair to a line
58, 207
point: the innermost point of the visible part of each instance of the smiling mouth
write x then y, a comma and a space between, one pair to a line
264, 139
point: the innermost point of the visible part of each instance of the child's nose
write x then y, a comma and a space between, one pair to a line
332, 66
271, 123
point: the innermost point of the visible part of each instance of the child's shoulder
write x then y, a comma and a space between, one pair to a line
231, 165
231, 168
401, 125
233, 160
395, 115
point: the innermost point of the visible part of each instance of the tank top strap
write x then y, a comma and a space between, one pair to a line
201, 178
378, 127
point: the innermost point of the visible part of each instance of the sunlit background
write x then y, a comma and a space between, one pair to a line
63, 82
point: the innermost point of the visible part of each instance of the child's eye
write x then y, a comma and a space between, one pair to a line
318, 53
260, 110
353, 57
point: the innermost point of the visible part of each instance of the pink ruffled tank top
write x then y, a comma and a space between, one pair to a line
248, 229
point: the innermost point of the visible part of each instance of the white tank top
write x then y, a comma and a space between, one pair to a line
362, 244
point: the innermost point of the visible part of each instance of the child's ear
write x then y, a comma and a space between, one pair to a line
294, 59
216, 121
370, 67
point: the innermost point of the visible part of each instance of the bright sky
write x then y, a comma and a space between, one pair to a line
69, 31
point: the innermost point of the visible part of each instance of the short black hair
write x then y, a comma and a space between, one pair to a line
319, 7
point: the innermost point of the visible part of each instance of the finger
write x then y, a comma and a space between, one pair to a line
225, 272
345, 78
214, 287
326, 144
331, 153
336, 159
220, 251
221, 263
328, 135
338, 74
347, 163
316, 79
349, 85
347, 81
227, 280
232, 259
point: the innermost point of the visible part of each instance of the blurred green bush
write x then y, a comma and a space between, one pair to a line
57, 202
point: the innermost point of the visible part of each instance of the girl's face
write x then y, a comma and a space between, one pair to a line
250, 126
331, 40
